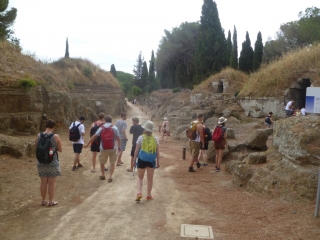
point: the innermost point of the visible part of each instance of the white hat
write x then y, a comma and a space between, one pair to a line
165, 119
222, 120
148, 126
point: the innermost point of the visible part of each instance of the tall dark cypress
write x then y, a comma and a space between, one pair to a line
66, 55
151, 78
211, 47
113, 70
234, 53
246, 56
258, 52
229, 46
144, 76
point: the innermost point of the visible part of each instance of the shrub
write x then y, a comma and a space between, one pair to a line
175, 90
136, 91
87, 71
27, 82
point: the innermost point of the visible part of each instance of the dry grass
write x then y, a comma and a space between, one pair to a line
234, 77
273, 79
61, 75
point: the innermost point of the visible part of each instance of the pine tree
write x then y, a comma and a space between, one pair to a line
113, 70
246, 56
211, 47
234, 53
6, 20
258, 52
144, 76
66, 55
137, 71
229, 46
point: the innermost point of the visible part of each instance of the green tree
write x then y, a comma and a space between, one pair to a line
152, 77
137, 71
113, 70
211, 49
229, 46
126, 81
144, 76
246, 56
258, 52
136, 91
6, 21
234, 53
66, 55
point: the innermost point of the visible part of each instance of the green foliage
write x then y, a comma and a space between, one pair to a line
234, 53
144, 76
174, 60
211, 49
126, 81
152, 81
137, 71
70, 85
136, 91
258, 52
229, 46
113, 70
175, 90
246, 56
27, 82
87, 71
6, 20
66, 55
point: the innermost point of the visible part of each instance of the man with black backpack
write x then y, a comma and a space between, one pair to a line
95, 145
76, 133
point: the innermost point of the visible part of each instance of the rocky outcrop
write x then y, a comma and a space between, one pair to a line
257, 141
241, 172
256, 158
16, 147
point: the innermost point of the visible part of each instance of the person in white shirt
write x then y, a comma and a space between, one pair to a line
303, 111
290, 108
77, 146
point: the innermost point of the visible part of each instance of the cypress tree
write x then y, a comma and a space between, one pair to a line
229, 46
6, 20
137, 71
151, 79
234, 53
144, 76
246, 56
66, 55
211, 47
258, 52
113, 70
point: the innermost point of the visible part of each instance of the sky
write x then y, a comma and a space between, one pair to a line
115, 31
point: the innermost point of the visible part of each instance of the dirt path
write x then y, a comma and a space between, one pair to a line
93, 209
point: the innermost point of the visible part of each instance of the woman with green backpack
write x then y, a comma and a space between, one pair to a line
147, 151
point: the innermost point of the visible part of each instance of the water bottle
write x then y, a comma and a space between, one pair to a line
50, 153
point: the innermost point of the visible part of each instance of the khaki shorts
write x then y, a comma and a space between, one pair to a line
194, 148
110, 154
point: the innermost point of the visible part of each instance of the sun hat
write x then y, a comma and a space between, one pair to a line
222, 120
165, 119
148, 126
135, 119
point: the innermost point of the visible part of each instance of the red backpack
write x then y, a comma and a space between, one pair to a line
217, 135
107, 137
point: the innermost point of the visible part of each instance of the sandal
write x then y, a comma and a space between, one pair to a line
53, 203
128, 170
44, 203
149, 197
102, 178
92, 170
139, 196
118, 165
109, 179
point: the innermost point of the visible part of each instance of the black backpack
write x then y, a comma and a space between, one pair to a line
74, 133
207, 134
43, 147
93, 131
267, 120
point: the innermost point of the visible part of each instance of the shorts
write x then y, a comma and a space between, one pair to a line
105, 155
289, 113
123, 144
95, 147
142, 164
267, 124
205, 146
220, 146
194, 148
133, 149
77, 148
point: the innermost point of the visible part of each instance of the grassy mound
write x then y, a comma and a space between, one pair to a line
21, 70
273, 79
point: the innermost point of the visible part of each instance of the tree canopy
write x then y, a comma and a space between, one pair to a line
6, 21
246, 56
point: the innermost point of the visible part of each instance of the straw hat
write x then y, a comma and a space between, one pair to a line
148, 126
222, 120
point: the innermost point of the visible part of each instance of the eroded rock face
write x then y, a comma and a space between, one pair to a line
16, 147
258, 140
298, 139
256, 158
241, 172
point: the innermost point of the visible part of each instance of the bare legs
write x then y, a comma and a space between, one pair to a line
76, 159
94, 155
150, 172
47, 185
203, 154
119, 158
219, 154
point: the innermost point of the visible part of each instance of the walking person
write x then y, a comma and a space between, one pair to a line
108, 136
95, 145
219, 136
48, 162
136, 130
77, 144
195, 144
147, 151
165, 129
122, 126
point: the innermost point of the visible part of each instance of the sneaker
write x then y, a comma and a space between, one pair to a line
198, 165
217, 169
191, 169
80, 165
139, 196
74, 168
149, 198
106, 169
205, 164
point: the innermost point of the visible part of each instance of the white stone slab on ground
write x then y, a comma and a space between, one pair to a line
196, 231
